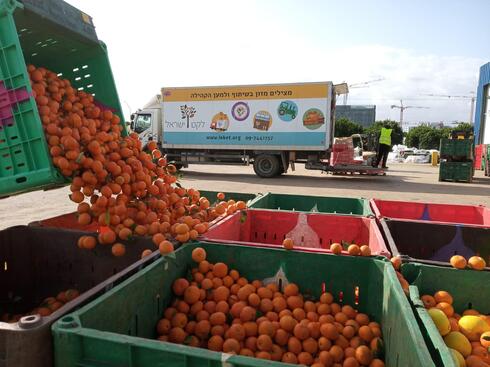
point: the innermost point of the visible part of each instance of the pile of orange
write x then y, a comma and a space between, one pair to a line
222, 311
114, 182
47, 307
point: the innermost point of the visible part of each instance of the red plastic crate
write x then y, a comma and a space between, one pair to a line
311, 232
432, 212
477, 162
67, 221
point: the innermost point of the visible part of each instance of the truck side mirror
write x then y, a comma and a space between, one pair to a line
132, 117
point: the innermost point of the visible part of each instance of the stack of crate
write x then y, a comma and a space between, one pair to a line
456, 160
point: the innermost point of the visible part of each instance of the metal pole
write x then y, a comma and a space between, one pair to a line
472, 110
401, 114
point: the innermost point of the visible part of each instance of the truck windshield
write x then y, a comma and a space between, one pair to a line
142, 123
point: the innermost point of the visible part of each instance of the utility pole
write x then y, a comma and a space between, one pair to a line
402, 108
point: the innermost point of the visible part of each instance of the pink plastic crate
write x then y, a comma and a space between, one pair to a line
311, 232
8, 98
432, 212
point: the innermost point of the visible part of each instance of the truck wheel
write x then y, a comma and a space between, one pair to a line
267, 166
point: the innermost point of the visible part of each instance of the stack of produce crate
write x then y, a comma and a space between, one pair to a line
456, 160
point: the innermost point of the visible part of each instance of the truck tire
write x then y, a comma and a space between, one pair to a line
267, 166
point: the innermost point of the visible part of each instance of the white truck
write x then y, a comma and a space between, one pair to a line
271, 126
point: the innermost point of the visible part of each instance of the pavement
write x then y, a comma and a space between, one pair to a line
403, 182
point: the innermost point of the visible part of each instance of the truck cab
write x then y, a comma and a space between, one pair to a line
146, 121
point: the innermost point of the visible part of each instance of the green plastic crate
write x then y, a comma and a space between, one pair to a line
55, 35
456, 171
470, 289
117, 328
456, 148
320, 204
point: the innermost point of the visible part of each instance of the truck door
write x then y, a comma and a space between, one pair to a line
142, 127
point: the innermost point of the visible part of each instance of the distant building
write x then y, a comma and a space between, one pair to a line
362, 115
482, 113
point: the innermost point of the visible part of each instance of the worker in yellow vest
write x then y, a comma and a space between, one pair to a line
384, 145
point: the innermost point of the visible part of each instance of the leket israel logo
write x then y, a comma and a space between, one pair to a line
187, 112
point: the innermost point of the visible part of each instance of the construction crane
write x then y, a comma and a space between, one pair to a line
470, 97
403, 108
360, 85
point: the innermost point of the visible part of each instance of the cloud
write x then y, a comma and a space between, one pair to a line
192, 43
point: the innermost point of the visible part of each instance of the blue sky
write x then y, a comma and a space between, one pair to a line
417, 47
450, 27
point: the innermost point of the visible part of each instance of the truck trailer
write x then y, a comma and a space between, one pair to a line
271, 126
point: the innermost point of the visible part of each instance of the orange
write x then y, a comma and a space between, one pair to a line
294, 345
177, 335
263, 355
118, 249
165, 247
217, 318
305, 358
89, 242
179, 286
289, 357
310, 346
336, 248
220, 196
337, 353
192, 294
363, 355
365, 250
266, 328
288, 244
354, 250
443, 296
246, 352
329, 331
198, 254
326, 358
326, 298
366, 333
237, 332
458, 262
428, 301
350, 362
291, 290
220, 270
446, 308
231, 346
476, 263
247, 313
221, 293
287, 323
163, 327
396, 261
294, 302
264, 343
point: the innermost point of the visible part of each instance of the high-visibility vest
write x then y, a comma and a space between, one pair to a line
385, 137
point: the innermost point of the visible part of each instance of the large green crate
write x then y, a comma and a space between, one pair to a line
469, 288
55, 35
456, 148
456, 171
304, 203
115, 329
